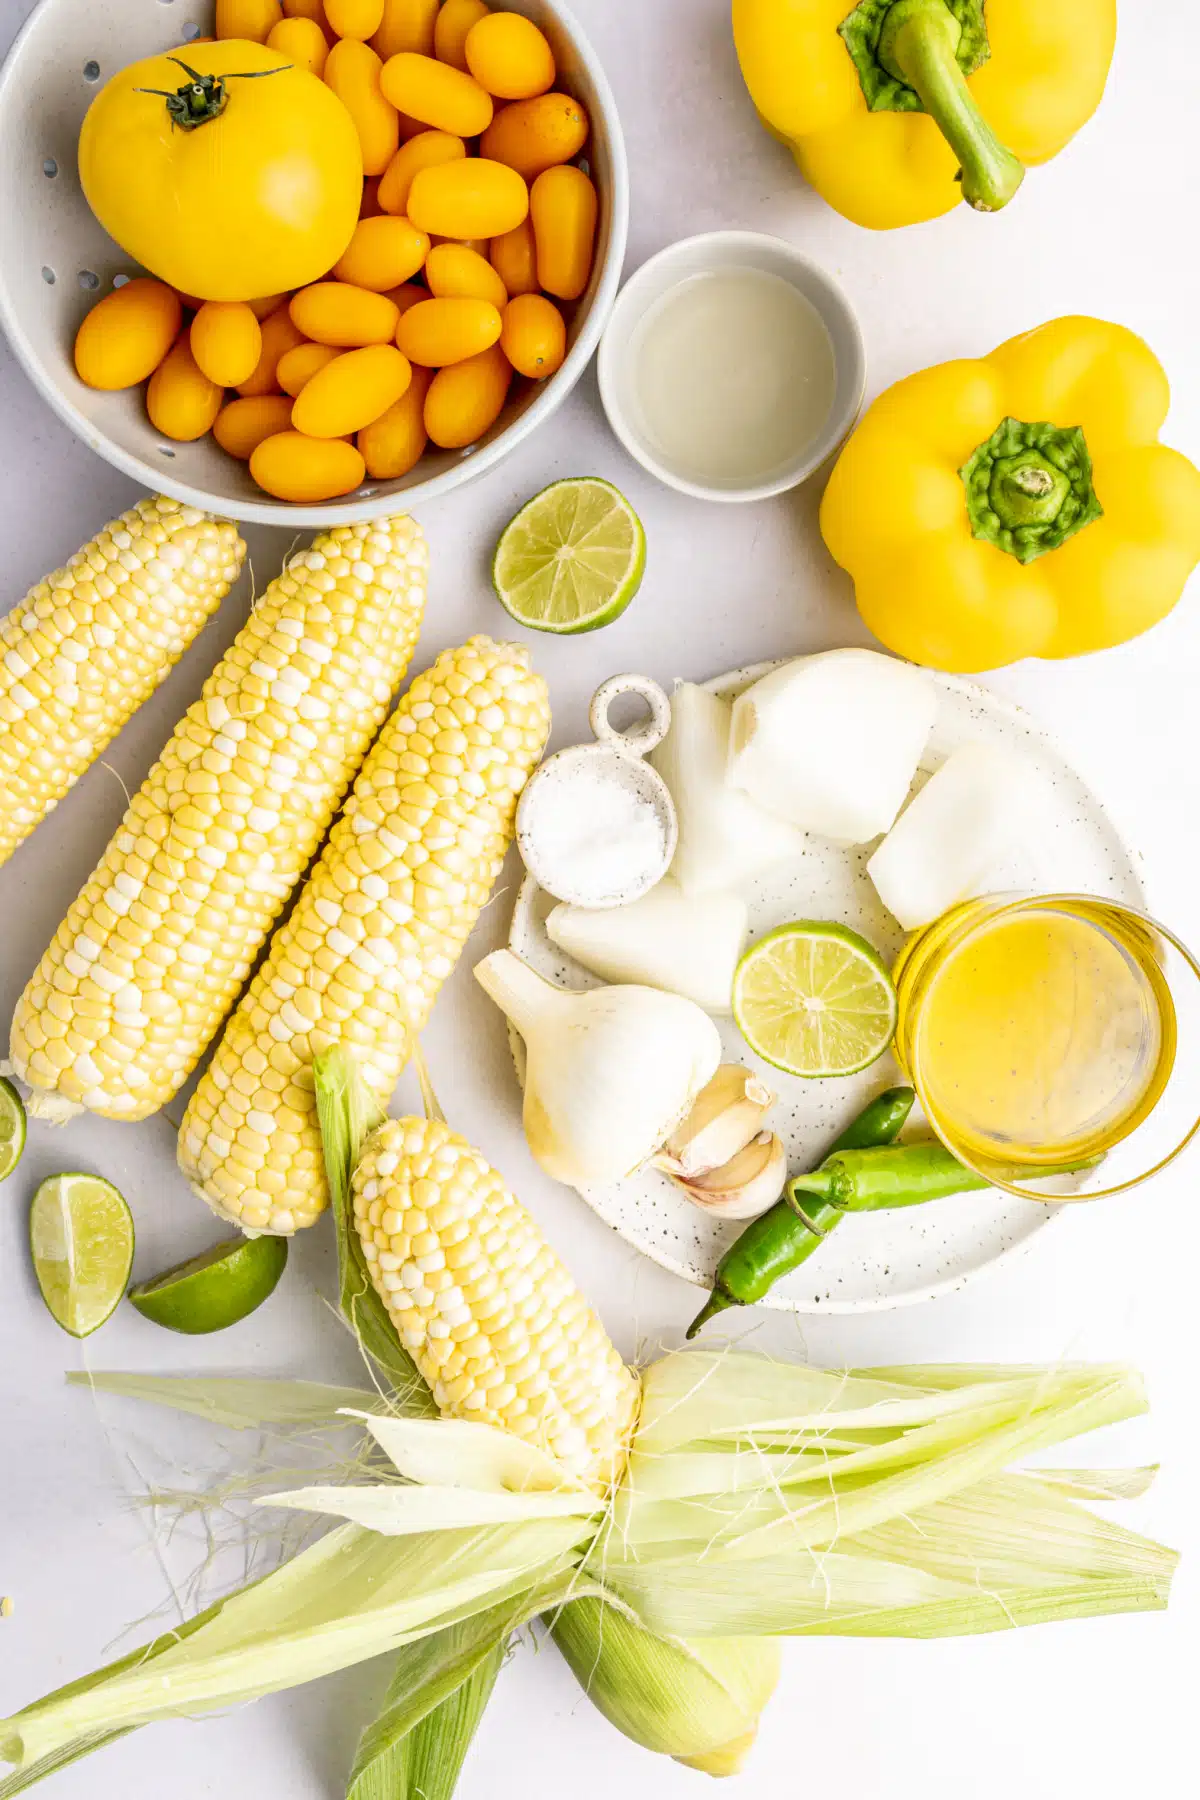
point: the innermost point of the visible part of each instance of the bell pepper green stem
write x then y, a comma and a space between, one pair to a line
1029, 487
918, 43
783, 1238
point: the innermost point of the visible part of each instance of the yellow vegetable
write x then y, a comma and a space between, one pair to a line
181, 400
351, 391
395, 442
352, 71
294, 467
383, 252
198, 180
156, 947
226, 340
514, 258
509, 56
563, 207
424, 151
1019, 505
532, 135
466, 399
897, 112
301, 41
438, 332
354, 18
279, 336
407, 25
476, 198
438, 95
242, 425
250, 19
126, 335
455, 271
300, 365
334, 312
86, 646
378, 926
533, 336
454, 21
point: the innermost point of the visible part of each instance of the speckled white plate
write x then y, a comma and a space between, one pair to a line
889, 1259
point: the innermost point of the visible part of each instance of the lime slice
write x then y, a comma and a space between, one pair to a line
815, 1000
81, 1234
216, 1288
572, 559
12, 1128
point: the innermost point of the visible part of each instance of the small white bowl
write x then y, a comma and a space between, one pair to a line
57, 259
705, 255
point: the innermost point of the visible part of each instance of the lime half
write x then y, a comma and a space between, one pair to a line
216, 1288
815, 1000
12, 1128
81, 1235
572, 559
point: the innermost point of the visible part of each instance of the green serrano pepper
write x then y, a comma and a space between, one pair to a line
778, 1242
877, 1180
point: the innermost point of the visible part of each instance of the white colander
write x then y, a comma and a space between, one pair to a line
55, 259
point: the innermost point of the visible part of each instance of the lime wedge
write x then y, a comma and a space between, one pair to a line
815, 1000
216, 1288
572, 559
81, 1235
12, 1128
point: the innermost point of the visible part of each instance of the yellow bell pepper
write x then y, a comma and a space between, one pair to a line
897, 109
1020, 505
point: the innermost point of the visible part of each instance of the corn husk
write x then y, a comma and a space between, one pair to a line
679, 1699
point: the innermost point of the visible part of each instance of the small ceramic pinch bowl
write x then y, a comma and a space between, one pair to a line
570, 784
715, 253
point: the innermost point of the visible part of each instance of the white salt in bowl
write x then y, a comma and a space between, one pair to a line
57, 260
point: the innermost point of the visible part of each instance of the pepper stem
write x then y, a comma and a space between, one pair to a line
716, 1303
918, 42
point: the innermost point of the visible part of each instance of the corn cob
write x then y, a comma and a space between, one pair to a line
155, 949
376, 930
91, 642
480, 1301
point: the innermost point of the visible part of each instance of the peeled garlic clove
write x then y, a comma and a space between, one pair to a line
726, 1115
746, 1185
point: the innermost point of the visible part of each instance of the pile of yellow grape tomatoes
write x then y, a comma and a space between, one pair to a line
401, 173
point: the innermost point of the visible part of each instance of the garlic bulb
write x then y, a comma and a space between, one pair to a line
746, 1185
609, 1074
685, 944
831, 742
724, 839
726, 1115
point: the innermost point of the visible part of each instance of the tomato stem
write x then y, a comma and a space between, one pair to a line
203, 97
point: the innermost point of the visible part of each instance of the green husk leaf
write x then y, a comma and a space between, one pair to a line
240, 1403
676, 1698
439, 1688
397, 1511
467, 1453
1097, 1484
348, 1597
348, 1113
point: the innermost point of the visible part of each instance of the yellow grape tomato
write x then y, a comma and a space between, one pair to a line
301, 41
395, 442
252, 20
352, 70
455, 271
476, 198
440, 96
406, 25
297, 366
454, 21
424, 151
563, 207
466, 399
437, 332
351, 391
509, 56
226, 341
514, 258
382, 253
242, 425
334, 312
294, 467
533, 336
354, 18
180, 399
126, 335
532, 135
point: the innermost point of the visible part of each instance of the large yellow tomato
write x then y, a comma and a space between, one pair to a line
244, 182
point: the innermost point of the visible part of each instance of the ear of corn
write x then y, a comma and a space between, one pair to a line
378, 927
91, 642
482, 1304
153, 952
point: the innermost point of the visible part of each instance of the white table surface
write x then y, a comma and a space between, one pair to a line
1101, 1707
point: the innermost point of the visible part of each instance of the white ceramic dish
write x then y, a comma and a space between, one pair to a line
57, 259
712, 252
888, 1259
